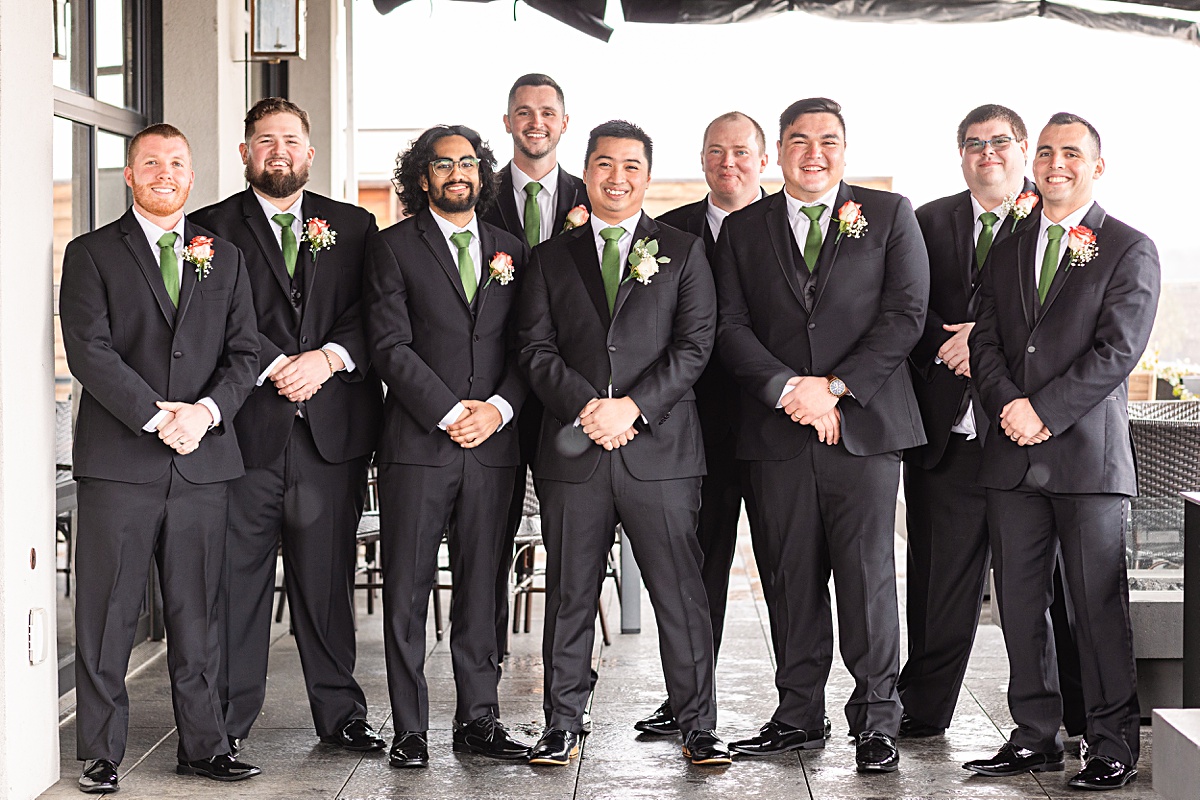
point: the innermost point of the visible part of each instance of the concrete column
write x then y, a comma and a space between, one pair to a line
28, 691
205, 89
319, 85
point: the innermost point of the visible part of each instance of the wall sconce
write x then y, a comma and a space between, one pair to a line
277, 29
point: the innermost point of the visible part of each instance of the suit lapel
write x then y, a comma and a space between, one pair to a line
187, 277
832, 244
646, 228
487, 248
1094, 219
135, 240
309, 207
508, 204
582, 248
963, 228
1026, 272
267, 245
781, 241
564, 202
431, 234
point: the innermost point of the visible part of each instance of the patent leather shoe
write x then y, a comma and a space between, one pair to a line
556, 748
875, 751
775, 737
487, 737
1102, 773
99, 777
912, 728
219, 768
660, 723
1013, 760
409, 749
703, 747
356, 735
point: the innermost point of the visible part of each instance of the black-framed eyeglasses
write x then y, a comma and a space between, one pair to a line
444, 166
998, 143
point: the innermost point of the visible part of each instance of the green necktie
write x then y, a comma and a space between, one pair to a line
812, 242
985, 238
168, 265
288, 239
610, 264
533, 214
1049, 261
466, 267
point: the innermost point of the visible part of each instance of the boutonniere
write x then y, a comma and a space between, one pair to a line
644, 260
319, 236
199, 251
851, 221
1018, 206
1081, 242
500, 269
575, 217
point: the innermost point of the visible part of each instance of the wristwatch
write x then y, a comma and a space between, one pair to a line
837, 387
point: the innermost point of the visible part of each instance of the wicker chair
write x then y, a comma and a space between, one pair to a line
1166, 441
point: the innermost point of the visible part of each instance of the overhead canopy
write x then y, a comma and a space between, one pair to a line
588, 15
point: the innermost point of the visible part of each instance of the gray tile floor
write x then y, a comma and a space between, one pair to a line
616, 762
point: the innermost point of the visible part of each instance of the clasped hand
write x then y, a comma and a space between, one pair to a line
954, 352
300, 376
810, 403
608, 421
1022, 424
478, 421
184, 425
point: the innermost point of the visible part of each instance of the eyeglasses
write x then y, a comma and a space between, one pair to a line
976, 146
444, 166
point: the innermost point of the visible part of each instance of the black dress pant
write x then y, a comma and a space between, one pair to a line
122, 527
720, 510
313, 507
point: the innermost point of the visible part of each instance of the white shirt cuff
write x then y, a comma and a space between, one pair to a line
502, 405
452, 416
152, 425
334, 347
786, 390
208, 403
270, 369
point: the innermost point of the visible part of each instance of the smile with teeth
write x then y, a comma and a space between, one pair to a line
163, 189
615, 193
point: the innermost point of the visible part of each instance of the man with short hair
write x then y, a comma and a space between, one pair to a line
306, 432
733, 157
441, 288
1065, 312
535, 195
158, 324
616, 324
822, 290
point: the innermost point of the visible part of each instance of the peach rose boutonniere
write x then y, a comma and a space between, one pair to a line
199, 251
576, 217
644, 260
851, 221
500, 269
1081, 242
1019, 206
319, 236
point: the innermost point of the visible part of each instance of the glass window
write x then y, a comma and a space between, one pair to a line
71, 37
112, 195
115, 54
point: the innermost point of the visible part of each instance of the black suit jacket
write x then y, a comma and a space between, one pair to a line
652, 349
432, 348
130, 348
345, 415
868, 311
1070, 357
948, 225
503, 214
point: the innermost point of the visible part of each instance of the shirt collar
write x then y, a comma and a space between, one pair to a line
827, 200
1070, 221
448, 228
977, 209
549, 183
271, 210
628, 224
153, 233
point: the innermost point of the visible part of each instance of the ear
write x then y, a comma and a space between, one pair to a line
507, 126
245, 153
128, 177
566, 119
1099, 168
424, 183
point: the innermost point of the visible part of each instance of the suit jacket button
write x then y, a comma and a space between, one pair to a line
177, 354
303, 340
476, 337
804, 370
612, 348
812, 325
1031, 349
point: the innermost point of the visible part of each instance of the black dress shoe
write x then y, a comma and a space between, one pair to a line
235, 746
703, 747
1013, 760
99, 777
585, 723
409, 749
556, 748
487, 737
219, 768
661, 723
356, 735
875, 751
1103, 773
775, 737
912, 728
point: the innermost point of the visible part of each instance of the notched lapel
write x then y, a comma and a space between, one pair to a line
309, 208
1026, 254
431, 234
781, 241
646, 228
963, 229
565, 201
1094, 220
135, 240
187, 275
265, 237
508, 203
583, 252
830, 249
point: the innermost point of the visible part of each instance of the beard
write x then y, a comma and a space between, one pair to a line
156, 205
438, 198
276, 183
546, 148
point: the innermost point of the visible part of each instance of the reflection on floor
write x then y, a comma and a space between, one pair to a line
615, 762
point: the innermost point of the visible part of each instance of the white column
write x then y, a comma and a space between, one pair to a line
318, 84
28, 692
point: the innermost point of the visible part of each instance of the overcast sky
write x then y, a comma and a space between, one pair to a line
903, 88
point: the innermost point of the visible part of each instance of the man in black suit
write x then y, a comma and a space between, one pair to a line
823, 290
1065, 313
535, 196
306, 432
440, 290
733, 156
167, 347
612, 340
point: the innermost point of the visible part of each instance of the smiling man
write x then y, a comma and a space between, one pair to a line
158, 324
616, 323
1065, 312
822, 290
306, 432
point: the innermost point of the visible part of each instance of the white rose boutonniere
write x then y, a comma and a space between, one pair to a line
644, 260
575, 217
1018, 206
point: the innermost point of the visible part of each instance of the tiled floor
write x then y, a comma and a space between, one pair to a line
616, 762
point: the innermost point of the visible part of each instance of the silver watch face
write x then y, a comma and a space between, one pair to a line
837, 387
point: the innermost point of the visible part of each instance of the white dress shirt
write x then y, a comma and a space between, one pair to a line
297, 227
545, 198
153, 233
475, 249
624, 244
1068, 222
715, 217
